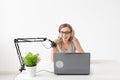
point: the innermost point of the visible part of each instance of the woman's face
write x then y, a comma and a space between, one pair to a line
65, 33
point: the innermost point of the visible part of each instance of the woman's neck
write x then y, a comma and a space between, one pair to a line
65, 42
65, 45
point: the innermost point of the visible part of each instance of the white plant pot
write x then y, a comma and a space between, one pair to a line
31, 71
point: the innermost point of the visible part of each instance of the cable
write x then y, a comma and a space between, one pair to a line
45, 46
53, 44
45, 71
36, 72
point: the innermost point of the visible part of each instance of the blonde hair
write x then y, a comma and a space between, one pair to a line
58, 41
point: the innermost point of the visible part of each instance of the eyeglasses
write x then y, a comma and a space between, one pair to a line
67, 32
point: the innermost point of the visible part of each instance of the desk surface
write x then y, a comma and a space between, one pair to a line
100, 70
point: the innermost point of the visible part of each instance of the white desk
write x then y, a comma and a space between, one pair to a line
100, 70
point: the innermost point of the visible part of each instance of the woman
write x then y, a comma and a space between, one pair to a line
66, 42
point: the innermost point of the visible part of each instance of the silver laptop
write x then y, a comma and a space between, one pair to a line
72, 63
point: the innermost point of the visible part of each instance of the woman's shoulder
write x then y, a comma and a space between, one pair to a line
76, 39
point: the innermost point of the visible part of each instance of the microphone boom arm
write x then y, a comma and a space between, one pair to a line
20, 40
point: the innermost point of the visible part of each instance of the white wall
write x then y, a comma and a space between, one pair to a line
96, 23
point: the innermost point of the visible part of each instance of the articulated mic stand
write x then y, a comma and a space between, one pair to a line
20, 40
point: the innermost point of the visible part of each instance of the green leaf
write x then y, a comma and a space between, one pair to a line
31, 59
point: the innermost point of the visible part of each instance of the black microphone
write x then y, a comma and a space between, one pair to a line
53, 44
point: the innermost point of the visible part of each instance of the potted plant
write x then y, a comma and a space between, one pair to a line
31, 60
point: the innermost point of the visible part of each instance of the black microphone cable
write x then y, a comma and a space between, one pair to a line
53, 44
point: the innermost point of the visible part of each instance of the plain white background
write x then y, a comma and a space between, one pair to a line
96, 24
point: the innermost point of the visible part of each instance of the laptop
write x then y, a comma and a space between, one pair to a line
72, 63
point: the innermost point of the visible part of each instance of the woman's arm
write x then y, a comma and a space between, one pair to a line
77, 45
53, 51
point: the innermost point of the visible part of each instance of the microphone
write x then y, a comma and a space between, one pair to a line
53, 44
